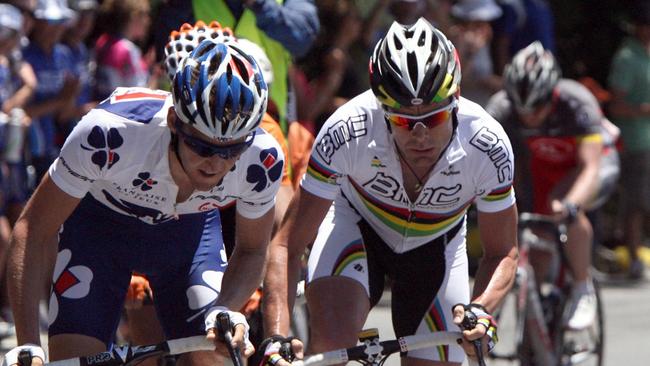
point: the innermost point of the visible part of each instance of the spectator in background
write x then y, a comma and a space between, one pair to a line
56, 88
11, 24
472, 36
79, 59
283, 29
329, 78
522, 22
119, 59
629, 81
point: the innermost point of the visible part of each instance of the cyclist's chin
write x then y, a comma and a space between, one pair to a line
203, 180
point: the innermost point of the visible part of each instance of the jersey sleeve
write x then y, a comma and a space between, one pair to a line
263, 175
273, 128
331, 155
494, 177
88, 153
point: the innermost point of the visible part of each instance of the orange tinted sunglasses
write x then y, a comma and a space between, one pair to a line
429, 120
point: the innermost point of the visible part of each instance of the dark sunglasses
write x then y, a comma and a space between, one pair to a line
206, 149
429, 120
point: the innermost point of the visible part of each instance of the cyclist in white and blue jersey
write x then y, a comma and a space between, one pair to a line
391, 176
136, 188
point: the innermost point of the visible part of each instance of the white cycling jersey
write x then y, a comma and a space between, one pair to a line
354, 155
119, 154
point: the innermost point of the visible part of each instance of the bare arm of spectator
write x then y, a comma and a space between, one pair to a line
24, 93
58, 105
619, 108
294, 24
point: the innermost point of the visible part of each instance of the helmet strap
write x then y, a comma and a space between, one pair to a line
175, 147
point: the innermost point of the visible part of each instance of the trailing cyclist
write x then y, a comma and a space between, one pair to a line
390, 179
566, 157
136, 188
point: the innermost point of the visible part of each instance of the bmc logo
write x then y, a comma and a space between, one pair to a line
338, 134
488, 142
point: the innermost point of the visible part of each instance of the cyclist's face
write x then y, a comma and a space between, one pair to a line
204, 172
535, 118
421, 145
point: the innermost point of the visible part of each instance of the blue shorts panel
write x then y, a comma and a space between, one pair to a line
184, 260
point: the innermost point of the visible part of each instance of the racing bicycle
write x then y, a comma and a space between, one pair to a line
534, 312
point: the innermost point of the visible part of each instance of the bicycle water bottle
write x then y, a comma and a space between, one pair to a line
15, 135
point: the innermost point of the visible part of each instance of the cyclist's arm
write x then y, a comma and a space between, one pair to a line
299, 227
586, 182
38, 224
496, 272
246, 265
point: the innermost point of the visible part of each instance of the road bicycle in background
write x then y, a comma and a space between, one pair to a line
533, 316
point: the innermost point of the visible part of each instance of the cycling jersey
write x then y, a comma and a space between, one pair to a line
118, 153
551, 151
354, 156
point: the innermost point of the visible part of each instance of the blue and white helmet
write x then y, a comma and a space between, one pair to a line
220, 91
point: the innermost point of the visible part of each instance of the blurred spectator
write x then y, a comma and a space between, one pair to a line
119, 59
629, 81
329, 78
472, 36
56, 88
522, 22
79, 60
284, 29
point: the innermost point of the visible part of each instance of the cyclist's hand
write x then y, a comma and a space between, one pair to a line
12, 357
139, 291
240, 336
281, 351
480, 326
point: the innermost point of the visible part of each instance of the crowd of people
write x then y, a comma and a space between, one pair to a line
256, 131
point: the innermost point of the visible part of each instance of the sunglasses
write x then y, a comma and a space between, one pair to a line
429, 120
206, 149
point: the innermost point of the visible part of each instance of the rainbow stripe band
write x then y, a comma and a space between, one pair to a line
499, 194
436, 323
409, 223
320, 172
352, 252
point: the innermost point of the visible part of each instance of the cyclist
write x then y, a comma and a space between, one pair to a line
565, 149
135, 188
391, 176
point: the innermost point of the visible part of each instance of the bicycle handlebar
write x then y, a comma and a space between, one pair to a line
372, 351
559, 228
131, 355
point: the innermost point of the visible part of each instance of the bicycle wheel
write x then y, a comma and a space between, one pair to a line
583, 347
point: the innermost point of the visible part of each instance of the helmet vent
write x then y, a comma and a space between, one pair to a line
189, 37
243, 72
412, 62
421, 39
398, 43
189, 48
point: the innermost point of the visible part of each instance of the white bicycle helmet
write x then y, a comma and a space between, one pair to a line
531, 76
220, 91
413, 65
187, 38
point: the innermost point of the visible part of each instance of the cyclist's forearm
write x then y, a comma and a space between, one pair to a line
25, 280
242, 277
584, 187
494, 278
281, 276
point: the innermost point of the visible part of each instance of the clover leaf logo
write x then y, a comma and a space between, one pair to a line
103, 146
268, 172
144, 181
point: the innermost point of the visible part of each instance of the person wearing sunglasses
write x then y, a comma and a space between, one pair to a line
390, 179
567, 164
136, 188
